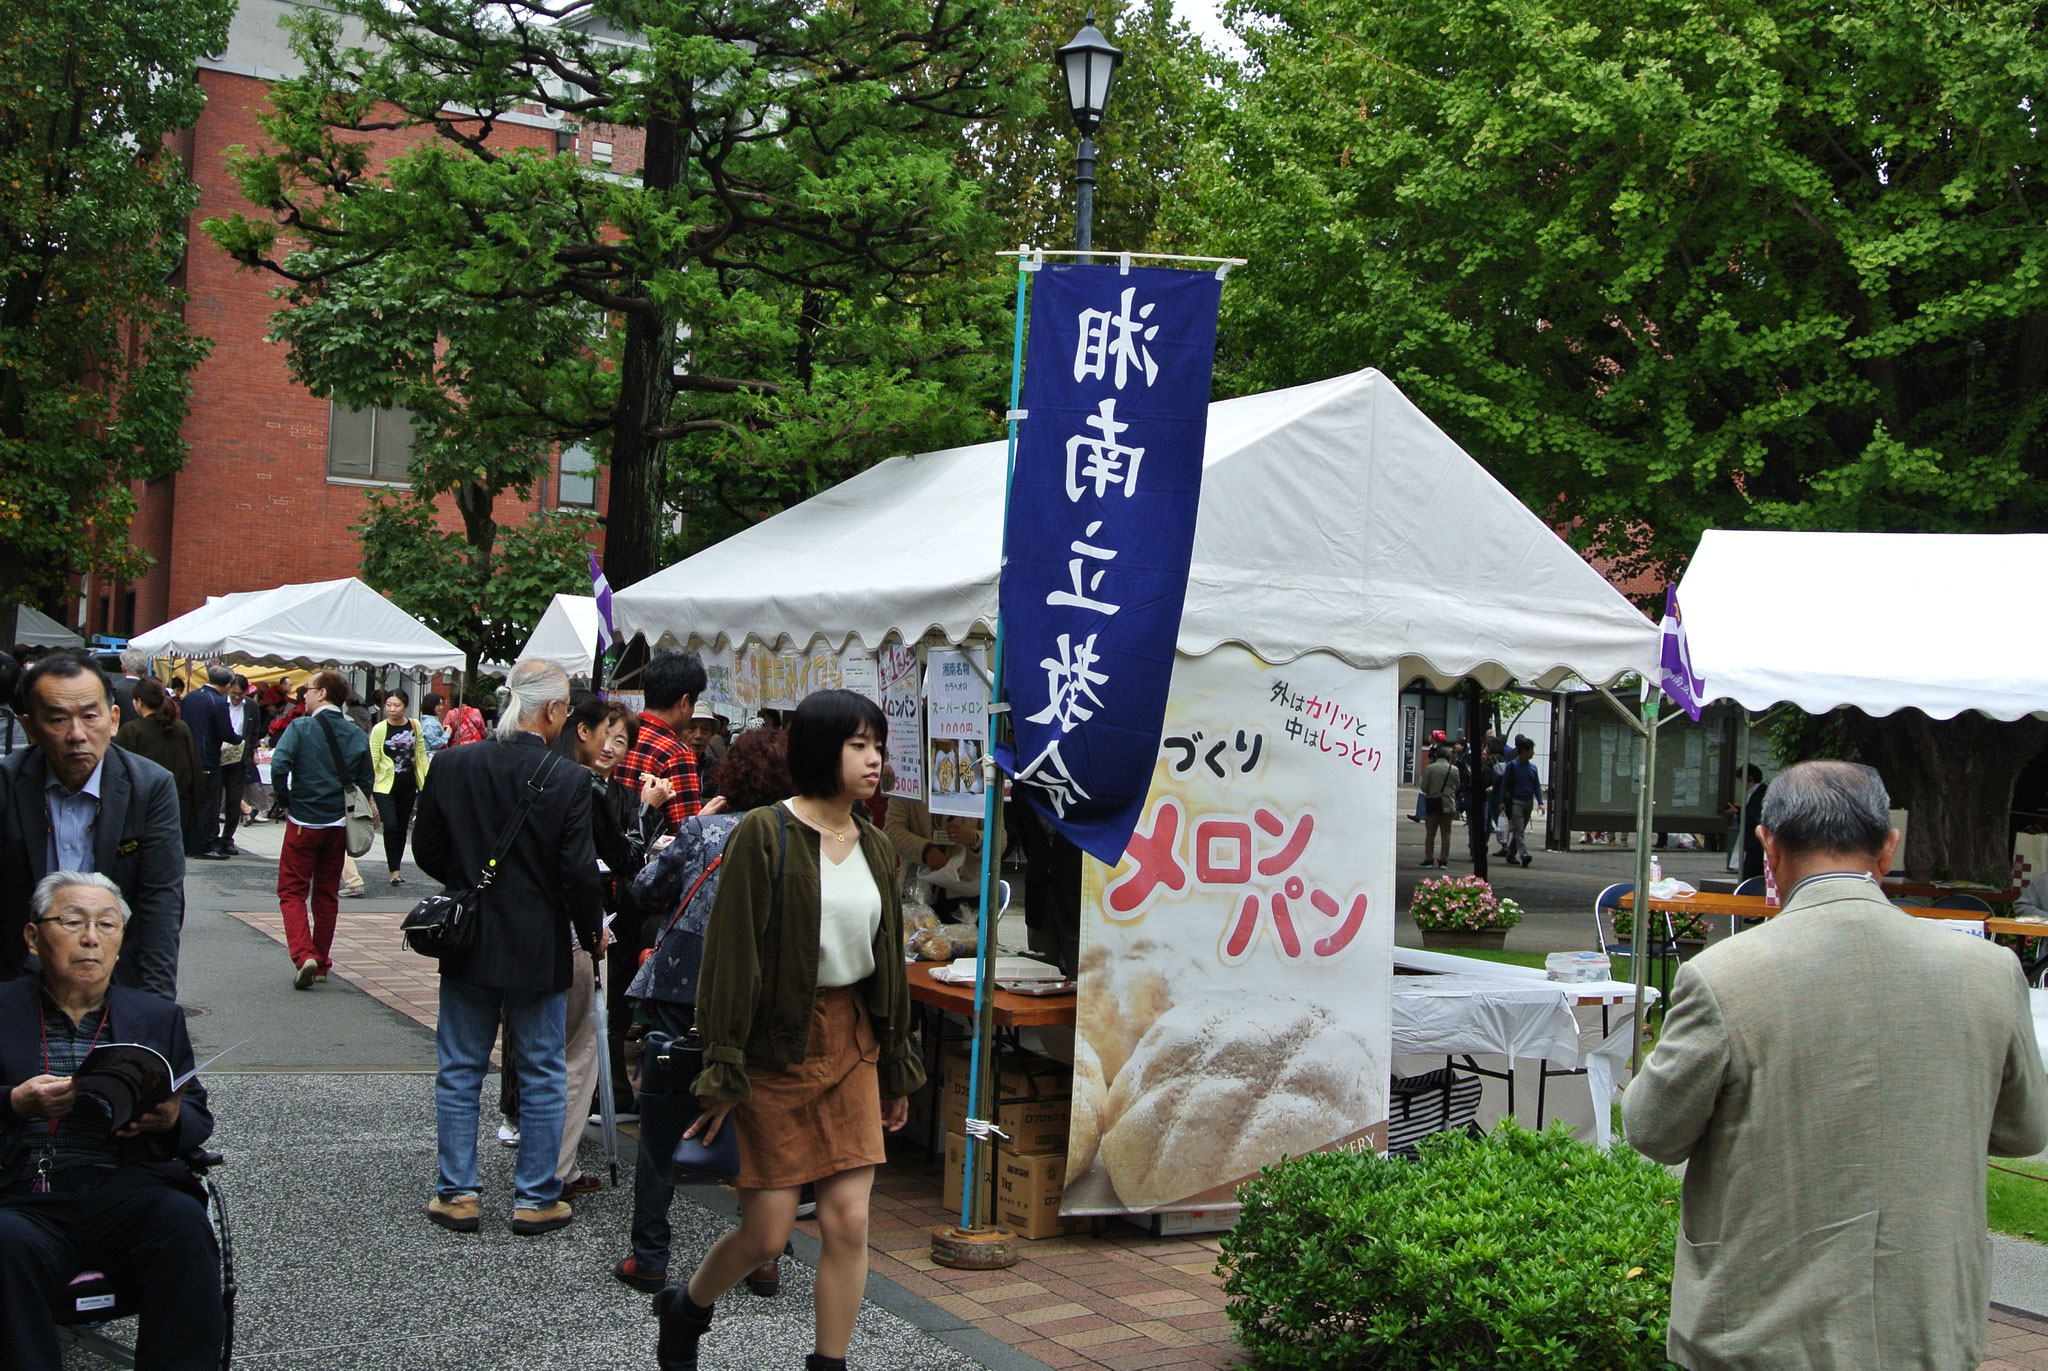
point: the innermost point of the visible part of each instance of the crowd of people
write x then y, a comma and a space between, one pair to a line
742, 895
1502, 792
745, 914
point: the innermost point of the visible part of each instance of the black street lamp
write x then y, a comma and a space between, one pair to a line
1088, 62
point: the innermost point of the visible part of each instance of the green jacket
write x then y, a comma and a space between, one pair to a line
386, 770
759, 983
302, 774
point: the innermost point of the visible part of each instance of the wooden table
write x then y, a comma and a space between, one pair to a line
1755, 907
1011, 1009
1930, 891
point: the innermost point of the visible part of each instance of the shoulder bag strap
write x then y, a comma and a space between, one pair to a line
340, 767
534, 786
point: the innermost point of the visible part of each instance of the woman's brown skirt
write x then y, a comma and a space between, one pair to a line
820, 1118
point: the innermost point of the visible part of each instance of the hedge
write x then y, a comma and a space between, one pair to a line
1520, 1249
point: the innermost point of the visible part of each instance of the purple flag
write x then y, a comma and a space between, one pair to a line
1677, 677
602, 589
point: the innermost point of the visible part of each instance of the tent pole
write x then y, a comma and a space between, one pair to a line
1646, 833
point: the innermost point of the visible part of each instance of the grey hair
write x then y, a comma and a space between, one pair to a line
135, 663
1829, 807
531, 686
46, 891
219, 676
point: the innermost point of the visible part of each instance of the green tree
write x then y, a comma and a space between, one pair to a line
1669, 267
1026, 165
481, 591
95, 359
793, 283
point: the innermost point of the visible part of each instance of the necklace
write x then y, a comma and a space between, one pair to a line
823, 827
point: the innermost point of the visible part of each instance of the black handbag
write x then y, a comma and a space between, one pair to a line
677, 1062
446, 925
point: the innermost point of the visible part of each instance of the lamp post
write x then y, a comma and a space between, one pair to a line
1088, 63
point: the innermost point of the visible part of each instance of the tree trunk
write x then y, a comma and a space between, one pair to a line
478, 506
1956, 777
632, 535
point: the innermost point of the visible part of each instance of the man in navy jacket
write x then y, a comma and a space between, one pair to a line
205, 712
75, 1192
73, 802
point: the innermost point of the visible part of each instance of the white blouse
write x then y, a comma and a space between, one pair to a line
849, 916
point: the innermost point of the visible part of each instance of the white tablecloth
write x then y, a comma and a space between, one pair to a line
1475, 1006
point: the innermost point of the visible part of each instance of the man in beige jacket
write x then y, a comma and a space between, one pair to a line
1834, 1081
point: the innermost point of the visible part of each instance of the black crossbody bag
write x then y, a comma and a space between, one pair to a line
445, 925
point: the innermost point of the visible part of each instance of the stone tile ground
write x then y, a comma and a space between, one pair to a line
1117, 1298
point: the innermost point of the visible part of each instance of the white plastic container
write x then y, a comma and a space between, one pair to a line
1578, 967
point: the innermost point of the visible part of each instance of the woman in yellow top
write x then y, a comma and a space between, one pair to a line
804, 1010
398, 749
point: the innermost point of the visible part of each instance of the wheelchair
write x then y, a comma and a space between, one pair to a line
92, 1300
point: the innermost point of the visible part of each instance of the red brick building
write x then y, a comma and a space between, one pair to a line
275, 478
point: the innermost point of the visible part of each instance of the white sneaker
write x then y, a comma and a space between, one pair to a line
508, 1135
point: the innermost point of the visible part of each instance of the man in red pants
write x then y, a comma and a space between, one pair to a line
318, 757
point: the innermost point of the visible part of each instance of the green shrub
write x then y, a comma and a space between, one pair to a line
1523, 1250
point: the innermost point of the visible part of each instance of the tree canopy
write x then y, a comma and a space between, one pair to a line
95, 359
1661, 266
789, 287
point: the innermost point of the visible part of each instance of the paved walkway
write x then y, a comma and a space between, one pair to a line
1118, 1298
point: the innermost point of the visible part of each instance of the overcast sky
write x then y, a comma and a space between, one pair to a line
1202, 17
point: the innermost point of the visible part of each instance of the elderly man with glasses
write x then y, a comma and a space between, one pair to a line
76, 1192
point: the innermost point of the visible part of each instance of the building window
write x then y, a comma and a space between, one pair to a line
601, 153
368, 444
578, 487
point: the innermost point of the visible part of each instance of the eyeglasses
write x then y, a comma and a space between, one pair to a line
105, 926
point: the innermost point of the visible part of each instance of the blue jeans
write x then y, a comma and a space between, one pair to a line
536, 1028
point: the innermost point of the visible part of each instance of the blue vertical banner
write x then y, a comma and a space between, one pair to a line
1101, 527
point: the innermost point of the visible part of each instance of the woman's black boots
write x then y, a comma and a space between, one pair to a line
818, 1361
682, 1324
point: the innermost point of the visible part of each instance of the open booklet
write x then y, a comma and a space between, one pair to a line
147, 1068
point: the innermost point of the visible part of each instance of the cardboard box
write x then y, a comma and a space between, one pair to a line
1188, 1221
956, 1159
1028, 1191
1036, 1105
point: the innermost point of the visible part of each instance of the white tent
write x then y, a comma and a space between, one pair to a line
1335, 517
1910, 620
321, 623
33, 628
566, 634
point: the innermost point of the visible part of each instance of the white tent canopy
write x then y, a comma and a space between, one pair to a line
1335, 517
321, 623
566, 634
33, 628
1910, 620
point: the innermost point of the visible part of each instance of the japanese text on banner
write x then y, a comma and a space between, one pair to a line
1101, 527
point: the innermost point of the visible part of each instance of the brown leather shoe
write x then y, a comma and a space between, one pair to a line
458, 1215
582, 1183
528, 1222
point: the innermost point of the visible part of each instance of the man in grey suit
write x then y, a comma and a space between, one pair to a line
74, 803
1834, 1082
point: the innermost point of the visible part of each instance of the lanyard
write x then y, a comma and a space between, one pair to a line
42, 1181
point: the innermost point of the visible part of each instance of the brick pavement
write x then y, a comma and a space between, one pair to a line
1117, 1298
2015, 1342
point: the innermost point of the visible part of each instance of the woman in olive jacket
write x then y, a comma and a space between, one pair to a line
804, 1009
160, 735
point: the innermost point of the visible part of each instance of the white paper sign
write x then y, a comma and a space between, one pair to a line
902, 704
1237, 964
956, 729
719, 670
857, 674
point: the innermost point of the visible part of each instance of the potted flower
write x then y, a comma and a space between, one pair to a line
1689, 930
1462, 911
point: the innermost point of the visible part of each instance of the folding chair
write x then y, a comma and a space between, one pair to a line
1615, 928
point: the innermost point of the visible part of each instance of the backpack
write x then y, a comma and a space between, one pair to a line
465, 725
